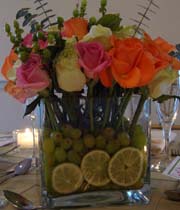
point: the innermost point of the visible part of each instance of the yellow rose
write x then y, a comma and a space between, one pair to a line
162, 81
125, 32
100, 34
69, 75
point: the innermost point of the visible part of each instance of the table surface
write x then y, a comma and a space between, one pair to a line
29, 186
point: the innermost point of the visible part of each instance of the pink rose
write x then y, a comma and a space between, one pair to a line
42, 44
28, 40
31, 76
93, 58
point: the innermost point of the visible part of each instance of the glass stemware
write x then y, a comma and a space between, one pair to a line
167, 114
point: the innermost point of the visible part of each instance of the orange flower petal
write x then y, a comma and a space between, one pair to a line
106, 77
75, 27
8, 63
121, 66
175, 64
147, 69
165, 46
128, 80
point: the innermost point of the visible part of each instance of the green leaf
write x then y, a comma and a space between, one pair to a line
31, 107
163, 98
111, 21
22, 12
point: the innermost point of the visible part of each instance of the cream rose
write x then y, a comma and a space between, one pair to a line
100, 34
69, 75
162, 81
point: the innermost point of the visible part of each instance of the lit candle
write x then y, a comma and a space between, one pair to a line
25, 137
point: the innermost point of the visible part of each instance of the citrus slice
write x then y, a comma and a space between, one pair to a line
66, 178
126, 166
94, 168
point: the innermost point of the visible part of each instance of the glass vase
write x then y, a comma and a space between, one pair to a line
91, 153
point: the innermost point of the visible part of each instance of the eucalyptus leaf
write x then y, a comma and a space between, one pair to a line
163, 98
28, 18
46, 11
33, 26
36, 1
22, 12
41, 6
47, 20
31, 107
111, 21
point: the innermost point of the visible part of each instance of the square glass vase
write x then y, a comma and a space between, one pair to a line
94, 152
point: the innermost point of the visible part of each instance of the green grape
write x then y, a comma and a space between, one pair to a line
89, 141
56, 136
108, 133
112, 147
75, 133
123, 139
66, 130
48, 145
49, 159
66, 143
60, 155
139, 138
78, 145
100, 142
46, 132
74, 157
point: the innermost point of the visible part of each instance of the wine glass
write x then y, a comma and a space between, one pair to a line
167, 113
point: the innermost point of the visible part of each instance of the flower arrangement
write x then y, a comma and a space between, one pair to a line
80, 69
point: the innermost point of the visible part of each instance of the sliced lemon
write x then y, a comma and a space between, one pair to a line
94, 167
126, 166
66, 178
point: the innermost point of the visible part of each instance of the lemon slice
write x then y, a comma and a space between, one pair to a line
126, 166
66, 178
94, 167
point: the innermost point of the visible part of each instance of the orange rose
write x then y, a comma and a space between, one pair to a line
18, 93
131, 65
160, 50
106, 77
8, 63
75, 27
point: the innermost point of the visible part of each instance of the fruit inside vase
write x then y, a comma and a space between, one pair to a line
77, 161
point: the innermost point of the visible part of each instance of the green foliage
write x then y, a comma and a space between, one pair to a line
80, 12
102, 8
111, 21
31, 107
